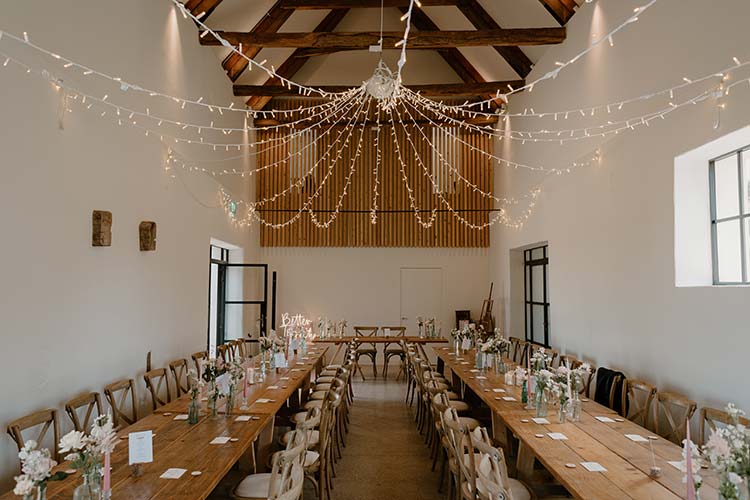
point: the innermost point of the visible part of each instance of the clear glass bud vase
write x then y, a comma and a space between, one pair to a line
541, 403
194, 411
90, 489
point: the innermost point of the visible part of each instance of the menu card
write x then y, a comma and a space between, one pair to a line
140, 447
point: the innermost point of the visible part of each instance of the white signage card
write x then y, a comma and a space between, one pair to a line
279, 360
637, 438
173, 473
677, 465
593, 467
263, 400
220, 440
498, 390
140, 447
273, 386
606, 420
509, 398
540, 421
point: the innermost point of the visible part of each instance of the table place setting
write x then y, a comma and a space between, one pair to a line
173, 473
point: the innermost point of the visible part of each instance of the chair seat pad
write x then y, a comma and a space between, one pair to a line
394, 350
459, 406
333, 367
318, 395
469, 423
300, 417
311, 457
328, 373
254, 486
313, 438
324, 380
316, 403
322, 387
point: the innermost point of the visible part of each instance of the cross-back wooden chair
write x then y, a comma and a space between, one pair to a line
197, 358
637, 399
396, 350
43, 420
711, 416
242, 348
155, 380
462, 456
366, 348
492, 479
673, 411
222, 351
179, 369
91, 401
517, 346
586, 389
570, 361
117, 395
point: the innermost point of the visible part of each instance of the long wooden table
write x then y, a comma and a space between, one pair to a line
382, 339
627, 462
180, 445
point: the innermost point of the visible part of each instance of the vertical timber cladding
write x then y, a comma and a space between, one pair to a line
397, 226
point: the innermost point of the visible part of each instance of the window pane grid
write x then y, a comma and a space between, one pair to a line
729, 178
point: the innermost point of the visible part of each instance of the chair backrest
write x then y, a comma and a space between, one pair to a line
242, 348
638, 397
155, 380
393, 331
41, 420
522, 350
673, 411
283, 464
117, 396
179, 369
570, 361
366, 331
197, 358
711, 416
609, 387
90, 402
222, 351
491, 468
462, 450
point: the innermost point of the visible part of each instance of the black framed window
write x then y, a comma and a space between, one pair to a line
536, 296
729, 179
217, 294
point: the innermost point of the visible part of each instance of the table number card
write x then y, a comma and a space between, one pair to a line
243, 418
637, 438
140, 447
558, 436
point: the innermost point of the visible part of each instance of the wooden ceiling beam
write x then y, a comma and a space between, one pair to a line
196, 7
293, 64
561, 10
436, 89
417, 40
353, 4
485, 120
481, 19
234, 64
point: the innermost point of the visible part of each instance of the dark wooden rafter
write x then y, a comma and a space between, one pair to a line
294, 63
361, 40
437, 89
196, 7
561, 10
234, 64
481, 19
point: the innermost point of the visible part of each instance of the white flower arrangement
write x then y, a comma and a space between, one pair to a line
578, 377
236, 374
85, 451
728, 453
497, 344
543, 379
540, 360
36, 469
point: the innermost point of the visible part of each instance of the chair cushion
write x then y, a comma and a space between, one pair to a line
254, 486
313, 438
333, 367
311, 457
328, 373
300, 417
321, 387
315, 403
324, 380
459, 405
318, 395
469, 423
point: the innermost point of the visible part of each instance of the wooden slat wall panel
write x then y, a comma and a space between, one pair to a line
355, 229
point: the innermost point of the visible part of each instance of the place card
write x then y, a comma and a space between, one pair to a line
558, 436
243, 418
606, 420
264, 400
677, 465
140, 447
637, 438
540, 421
480, 377
508, 398
593, 467
464, 362
173, 473
220, 440
618, 419
283, 378
182, 416
498, 390
474, 370
273, 387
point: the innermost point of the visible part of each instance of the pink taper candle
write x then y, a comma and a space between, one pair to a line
106, 472
528, 375
244, 386
689, 464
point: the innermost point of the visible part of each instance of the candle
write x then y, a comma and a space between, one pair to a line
528, 374
570, 393
244, 386
689, 464
106, 472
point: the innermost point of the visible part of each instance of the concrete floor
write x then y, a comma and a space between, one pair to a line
385, 457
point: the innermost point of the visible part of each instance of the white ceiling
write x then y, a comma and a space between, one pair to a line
353, 67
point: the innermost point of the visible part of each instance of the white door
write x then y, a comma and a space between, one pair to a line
421, 295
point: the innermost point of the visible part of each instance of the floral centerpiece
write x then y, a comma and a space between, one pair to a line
36, 471
728, 453
540, 360
85, 452
543, 380
236, 373
496, 346
196, 385
211, 369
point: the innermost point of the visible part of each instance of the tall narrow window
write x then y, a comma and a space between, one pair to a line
446, 158
536, 296
729, 177
303, 155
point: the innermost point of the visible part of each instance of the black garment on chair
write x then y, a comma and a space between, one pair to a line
604, 380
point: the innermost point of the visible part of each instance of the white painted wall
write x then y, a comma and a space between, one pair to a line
611, 228
73, 317
362, 285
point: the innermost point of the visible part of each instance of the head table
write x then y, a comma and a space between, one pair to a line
627, 462
176, 444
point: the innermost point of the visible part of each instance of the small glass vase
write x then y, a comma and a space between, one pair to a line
562, 411
194, 409
479, 360
212, 410
90, 489
574, 408
40, 493
541, 403
500, 367
230, 402
273, 361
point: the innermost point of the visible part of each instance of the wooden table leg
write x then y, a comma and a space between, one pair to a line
525, 462
265, 445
